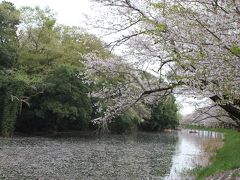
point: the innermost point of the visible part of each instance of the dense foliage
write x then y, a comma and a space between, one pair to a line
9, 19
10, 86
62, 105
10, 105
125, 123
163, 115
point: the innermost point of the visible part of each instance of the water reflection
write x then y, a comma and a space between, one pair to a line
193, 149
207, 134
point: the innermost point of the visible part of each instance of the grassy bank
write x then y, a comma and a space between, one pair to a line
228, 157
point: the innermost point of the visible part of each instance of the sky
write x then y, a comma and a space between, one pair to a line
73, 13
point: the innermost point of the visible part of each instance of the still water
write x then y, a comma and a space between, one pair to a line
165, 156
193, 149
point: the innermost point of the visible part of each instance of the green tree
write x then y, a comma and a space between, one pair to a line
40, 45
126, 122
49, 73
76, 43
63, 105
9, 19
10, 87
45, 44
164, 115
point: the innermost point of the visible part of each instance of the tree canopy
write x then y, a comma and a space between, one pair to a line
9, 19
192, 44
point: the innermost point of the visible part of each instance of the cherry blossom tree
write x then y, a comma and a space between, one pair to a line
121, 86
191, 43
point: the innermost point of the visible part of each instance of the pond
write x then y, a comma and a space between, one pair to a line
139, 156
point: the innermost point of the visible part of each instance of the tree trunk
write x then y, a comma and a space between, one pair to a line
231, 109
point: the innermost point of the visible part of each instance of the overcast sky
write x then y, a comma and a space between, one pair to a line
73, 13
69, 12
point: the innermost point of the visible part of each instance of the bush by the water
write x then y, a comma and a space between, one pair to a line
125, 123
163, 115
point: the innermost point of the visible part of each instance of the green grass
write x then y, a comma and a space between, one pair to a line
228, 157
